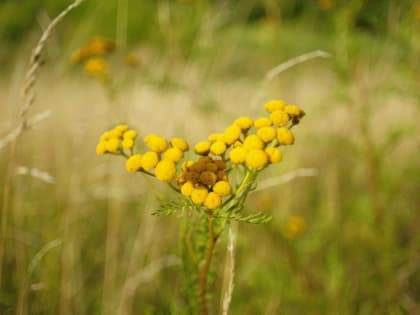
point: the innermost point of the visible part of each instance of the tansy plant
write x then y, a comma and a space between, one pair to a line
213, 187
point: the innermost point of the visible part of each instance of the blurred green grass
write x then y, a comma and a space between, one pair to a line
201, 63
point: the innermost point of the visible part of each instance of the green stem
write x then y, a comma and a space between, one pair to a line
203, 274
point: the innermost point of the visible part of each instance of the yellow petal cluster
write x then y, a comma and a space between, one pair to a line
95, 47
97, 67
246, 143
116, 140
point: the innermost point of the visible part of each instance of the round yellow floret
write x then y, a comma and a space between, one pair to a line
180, 144
244, 123
156, 143
198, 195
274, 105
130, 134
238, 155
128, 143
173, 154
266, 134
106, 136
280, 118
121, 128
231, 134
263, 122
274, 154
202, 147
285, 136
238, 144
293, 110
115, 133
133, 163
187, 189
212, 201
165, 170
222, 188
97, 67
256, 159
149, 160
218, 148
253, 142
101, 148
112, 145
187, 164
215, 137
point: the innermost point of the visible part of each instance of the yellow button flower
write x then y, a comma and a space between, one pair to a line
187, 189
293, 110
238, 155
149, 160
97, 67
244, 123
198, 195
274, 154
294, 227
121, 128
266, 134
115, 133
156, 143
218, 148
280, 118
208, 178
212, 201
112, 145
202, 148
285, 136
263, 122
180, 144
127, 143
173, 154
165, 170
106, 136
256, 159
253, 142
231, 134
187, 164
222, 188
215, 137
130, 134
274, 105
101, 148
133, 163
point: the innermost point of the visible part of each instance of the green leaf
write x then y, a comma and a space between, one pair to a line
256, 218
175, 206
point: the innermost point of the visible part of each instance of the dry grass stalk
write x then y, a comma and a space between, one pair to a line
279, 180
28, 97
230, 266
272, 73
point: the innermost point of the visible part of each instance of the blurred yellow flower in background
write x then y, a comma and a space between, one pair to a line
294, 227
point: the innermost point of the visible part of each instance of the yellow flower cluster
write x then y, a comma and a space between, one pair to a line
294, 227
116, 140
205, 182
92, 56
254, 143
97, 67
96, 47
162, 155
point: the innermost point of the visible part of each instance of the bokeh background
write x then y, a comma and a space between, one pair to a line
77, 234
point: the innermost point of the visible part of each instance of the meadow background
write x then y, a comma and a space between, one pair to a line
81, 239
